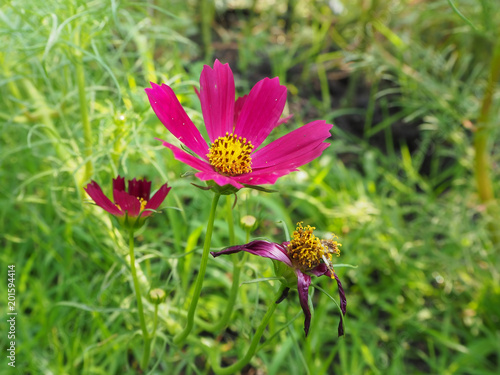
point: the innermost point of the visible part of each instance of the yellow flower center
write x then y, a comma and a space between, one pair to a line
230, 155
307, 251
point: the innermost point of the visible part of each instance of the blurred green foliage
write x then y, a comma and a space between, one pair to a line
402, 79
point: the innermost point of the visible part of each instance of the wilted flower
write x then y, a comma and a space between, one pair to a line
305, 254
132, 207
236, 129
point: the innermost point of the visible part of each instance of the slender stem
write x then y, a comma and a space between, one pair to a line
235, 367
181, 336
140, 308
483, 131
482, 163
155, 325
155, 321
87, 129
230, 220
455, 9
206, 28
223, 321
236, 273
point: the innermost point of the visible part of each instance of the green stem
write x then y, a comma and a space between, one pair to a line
235, 367
482, 135
230, 220
181, 336
223, 321
155, 326
206, 27
140, 308
87, 129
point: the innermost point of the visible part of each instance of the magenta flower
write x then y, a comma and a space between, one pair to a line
132, 204
236, 129
305, 254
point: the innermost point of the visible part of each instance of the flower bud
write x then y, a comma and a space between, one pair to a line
157, 296
248, 222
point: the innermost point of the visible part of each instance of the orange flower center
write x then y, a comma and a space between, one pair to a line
230, 155
307, 251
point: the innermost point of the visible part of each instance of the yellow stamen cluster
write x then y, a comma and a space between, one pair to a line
230, 155
143, 203
141, 200
307, 251
331, 246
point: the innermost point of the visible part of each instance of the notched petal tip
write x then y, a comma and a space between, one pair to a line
119, 183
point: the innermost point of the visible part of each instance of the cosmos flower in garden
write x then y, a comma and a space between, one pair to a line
305, 254
132, 207
237, 129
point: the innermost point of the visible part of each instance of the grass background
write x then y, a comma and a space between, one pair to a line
403, 81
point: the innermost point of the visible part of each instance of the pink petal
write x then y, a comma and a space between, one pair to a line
238, 106
157, 199
190, 160
217, 99
170, 112
119, 185
321, 270
95, 192
261, 111
128, 203
303, 283
294, 149
261, 248
343, 304
283, 120
261, 177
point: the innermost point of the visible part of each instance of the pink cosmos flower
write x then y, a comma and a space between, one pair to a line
237, 129
305, 254
129, 204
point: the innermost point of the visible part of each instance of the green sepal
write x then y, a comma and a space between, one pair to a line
132, 223
260, 188
286, 274
227, 189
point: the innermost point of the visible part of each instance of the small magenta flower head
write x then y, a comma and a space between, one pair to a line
132, 208
297, 259
237, 129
